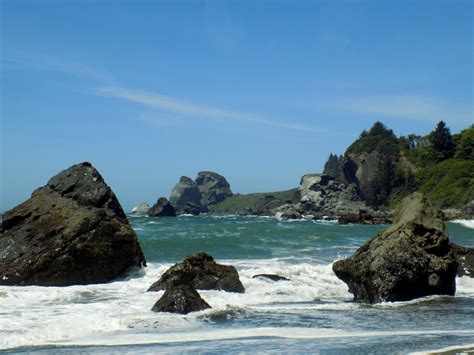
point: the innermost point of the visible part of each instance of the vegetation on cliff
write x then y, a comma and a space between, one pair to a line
438, 164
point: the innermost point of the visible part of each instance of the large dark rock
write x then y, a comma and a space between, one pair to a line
465, 258
214, 188
201, 272
71, 231
410, 259
162, 208
185, 192
181, 299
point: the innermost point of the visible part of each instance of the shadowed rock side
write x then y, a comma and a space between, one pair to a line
185, 192
410, 259
71, 231
162, 208
201, 272
181, 299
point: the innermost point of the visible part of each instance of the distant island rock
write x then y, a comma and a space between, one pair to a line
189, 196
162, 208
72, 231
141, 209
410, 259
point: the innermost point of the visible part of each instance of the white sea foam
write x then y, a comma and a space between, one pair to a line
40, 315
468, 223
119, 312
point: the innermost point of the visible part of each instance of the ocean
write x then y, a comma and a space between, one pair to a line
311, 313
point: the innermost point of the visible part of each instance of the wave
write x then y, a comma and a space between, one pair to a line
119, 312
249, 333
468, 223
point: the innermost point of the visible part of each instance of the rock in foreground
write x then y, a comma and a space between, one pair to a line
181, 299
162, 208
410, 259
202, 273
71, 231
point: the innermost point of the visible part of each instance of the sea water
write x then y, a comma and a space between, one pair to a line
311, 313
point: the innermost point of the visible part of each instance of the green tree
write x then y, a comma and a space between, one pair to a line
442, 142
465, 145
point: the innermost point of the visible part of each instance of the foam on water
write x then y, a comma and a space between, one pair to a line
40, 315
468, 223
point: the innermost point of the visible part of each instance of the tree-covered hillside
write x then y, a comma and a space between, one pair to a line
385, 168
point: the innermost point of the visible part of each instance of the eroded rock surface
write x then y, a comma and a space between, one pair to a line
410, 259
201, 272
71, 231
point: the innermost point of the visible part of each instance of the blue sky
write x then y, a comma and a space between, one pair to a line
259, 91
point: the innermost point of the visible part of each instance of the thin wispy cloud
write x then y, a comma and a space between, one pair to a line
178, 106
21, 59
412, 107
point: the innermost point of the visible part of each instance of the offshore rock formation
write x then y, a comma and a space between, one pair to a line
214, 188
72, 231
201, 272
410, 259
142, 208
162, 208
185, 192
209, 189
181, 299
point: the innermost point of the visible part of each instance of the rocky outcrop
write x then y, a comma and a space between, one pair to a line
410, 259
180, 299
323, 196
193, 197
272, 277
71, 231
185, 192
162, 208
214, 188
365, 217
465, 258
191, 208
201, 272
141, 209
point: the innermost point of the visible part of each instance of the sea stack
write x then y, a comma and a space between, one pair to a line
72, 231
410, 259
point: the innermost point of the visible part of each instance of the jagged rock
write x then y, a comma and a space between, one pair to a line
272, 277
465, 258
365, 217
201, 272
71, 231
410, 259
322, 195
181, 299
185, 191
291, 213
162, 208
191, 208
213, 187
142, 208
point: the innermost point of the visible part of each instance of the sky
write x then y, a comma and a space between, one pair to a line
258, 91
